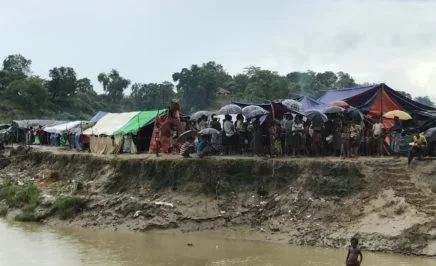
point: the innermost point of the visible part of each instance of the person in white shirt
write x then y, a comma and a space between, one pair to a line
229, 133
378, 133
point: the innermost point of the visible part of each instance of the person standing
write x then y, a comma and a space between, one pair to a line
354, 256
257, 137
229, 134
215, 123
241, 133
396, 136
287, 126
345, 142
378, 135
418, 148
297, 136
355, 136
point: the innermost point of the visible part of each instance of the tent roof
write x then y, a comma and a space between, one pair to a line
67, 127
35, 123
110, 123
342, 94
98, 116
138, 121
310, 103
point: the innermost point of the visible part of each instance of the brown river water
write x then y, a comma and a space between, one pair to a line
27, 244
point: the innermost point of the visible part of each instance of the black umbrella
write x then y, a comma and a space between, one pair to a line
230, 109
209, 131
333, 110
256, 113
430, 134
353, 114
248, 109
312, 114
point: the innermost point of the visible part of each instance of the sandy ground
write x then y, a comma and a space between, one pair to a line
304, 201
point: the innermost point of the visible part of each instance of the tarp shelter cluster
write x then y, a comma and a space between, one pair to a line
122, 132
19, 128
376, 100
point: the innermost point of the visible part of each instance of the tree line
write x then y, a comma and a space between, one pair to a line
64, 95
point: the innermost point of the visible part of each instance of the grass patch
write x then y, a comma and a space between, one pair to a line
68, 207
24, 197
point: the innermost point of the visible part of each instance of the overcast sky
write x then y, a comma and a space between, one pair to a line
391, 41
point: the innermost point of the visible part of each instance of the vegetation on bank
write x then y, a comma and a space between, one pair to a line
67, 207
66, 96
27, 198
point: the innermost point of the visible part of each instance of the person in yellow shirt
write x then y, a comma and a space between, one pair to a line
418, 148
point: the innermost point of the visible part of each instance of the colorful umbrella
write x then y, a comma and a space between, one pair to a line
339, 104
293, 105
312, 114
230, 109
199, 114
397, 113
248, 109
333, 110
209, 131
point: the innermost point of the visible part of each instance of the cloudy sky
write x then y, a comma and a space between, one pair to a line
391, 41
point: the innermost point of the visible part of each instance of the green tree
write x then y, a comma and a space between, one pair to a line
152, 95
425, 100
17, 64
114, 84
345, 80
266, 85
63, 83
84, 85
198, 85
28, 94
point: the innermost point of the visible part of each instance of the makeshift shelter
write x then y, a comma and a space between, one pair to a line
19, 127
98, 116
310, 103
376, 100
117, 132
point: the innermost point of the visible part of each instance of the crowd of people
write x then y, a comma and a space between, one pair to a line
293, 135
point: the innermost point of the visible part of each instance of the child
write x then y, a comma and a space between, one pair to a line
203, 146
354, 253
187, 147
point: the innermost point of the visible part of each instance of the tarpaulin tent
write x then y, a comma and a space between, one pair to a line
19, 127
138, 121
68, 127
98, 116
114, 132
376, 100
310, 103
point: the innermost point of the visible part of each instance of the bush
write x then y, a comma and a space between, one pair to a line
68, 207
26, 196
3, 211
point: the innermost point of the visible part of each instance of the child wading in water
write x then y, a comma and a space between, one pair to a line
354, 253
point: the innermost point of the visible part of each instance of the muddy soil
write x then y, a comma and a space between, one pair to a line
318, 202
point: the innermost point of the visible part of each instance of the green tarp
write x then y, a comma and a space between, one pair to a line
138, 121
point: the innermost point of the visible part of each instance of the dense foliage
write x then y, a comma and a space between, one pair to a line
66, 96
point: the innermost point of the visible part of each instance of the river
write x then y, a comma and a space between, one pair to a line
29, 244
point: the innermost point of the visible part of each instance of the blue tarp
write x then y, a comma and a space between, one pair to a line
310, 103
342, 94
98, 116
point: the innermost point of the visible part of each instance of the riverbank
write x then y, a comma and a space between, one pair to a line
317, 202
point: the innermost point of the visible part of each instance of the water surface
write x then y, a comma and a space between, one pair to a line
27, 244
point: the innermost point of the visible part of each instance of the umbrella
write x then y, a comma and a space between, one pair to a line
293, 105
248, 109
430, 134
333, 110
256, 113
185, 135
209, 131
354, 114
312, 114
339, 104
199, 114
230, 109
397, 113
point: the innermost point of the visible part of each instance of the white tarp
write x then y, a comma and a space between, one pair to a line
62, 128
110, 123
